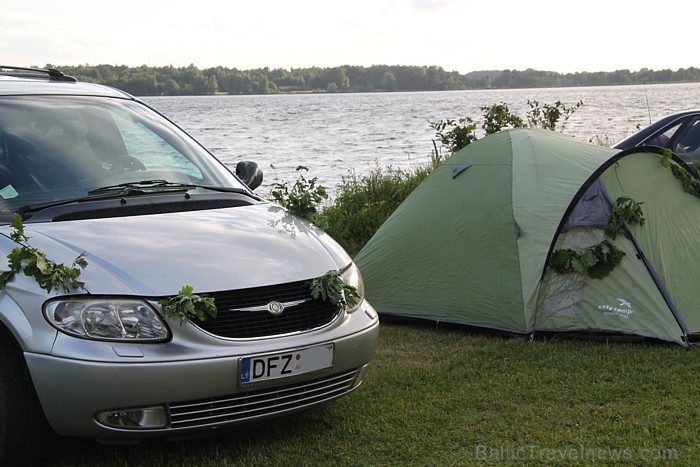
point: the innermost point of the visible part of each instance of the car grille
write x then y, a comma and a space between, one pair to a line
262, 403
244, 313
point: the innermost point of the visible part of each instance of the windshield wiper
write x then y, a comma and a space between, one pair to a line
141, 187
29, 208
111, 191
160, 184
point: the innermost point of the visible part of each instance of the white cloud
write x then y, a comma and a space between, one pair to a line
462, 35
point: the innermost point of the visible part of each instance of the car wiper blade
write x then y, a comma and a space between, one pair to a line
223, 189
138, 187
157, 184
29, 208
141, 187
111, 191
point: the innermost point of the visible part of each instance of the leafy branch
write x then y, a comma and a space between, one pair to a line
624, 211
47, 273
331, 287
499, 116
460, 133
548, 116
302, 198
599, 260
187, 305
689, 181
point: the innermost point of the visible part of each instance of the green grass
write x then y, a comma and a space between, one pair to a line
450, 397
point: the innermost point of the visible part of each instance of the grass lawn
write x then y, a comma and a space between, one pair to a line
449, 397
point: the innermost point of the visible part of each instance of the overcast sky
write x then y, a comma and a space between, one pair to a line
458, 35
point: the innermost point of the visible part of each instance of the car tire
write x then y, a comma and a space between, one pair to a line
22, 423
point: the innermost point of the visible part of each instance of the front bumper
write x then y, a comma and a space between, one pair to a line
198, 394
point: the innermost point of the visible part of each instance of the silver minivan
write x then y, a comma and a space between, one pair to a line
146, 290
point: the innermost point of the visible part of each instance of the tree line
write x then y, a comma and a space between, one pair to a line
190, 80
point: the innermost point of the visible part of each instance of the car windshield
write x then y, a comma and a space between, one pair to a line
55, 148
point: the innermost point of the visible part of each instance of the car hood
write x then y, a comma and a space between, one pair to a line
221, 249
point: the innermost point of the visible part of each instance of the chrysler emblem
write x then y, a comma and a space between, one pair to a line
276, 308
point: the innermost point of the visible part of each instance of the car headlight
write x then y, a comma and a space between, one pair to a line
106, 318
351, 276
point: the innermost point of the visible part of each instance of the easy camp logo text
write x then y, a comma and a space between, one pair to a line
623, 309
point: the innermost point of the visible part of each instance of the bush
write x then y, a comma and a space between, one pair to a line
364, 203
303, 198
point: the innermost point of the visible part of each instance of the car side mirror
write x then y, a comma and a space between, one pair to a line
250, 173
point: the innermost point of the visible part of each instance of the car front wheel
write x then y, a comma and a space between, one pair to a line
22, 423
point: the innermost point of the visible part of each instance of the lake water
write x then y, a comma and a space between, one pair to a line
338, 134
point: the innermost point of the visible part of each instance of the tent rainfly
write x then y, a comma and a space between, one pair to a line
475, 242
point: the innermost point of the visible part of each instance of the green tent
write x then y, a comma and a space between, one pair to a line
473, 243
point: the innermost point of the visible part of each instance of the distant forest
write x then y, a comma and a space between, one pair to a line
169, 80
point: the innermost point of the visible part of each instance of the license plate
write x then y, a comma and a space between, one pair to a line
285, 364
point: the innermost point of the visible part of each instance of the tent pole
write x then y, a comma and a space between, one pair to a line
659, 283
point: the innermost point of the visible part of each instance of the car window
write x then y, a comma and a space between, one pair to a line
154, 152
687, 143
663, 139
57, 147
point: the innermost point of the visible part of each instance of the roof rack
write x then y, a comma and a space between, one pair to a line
21, 72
